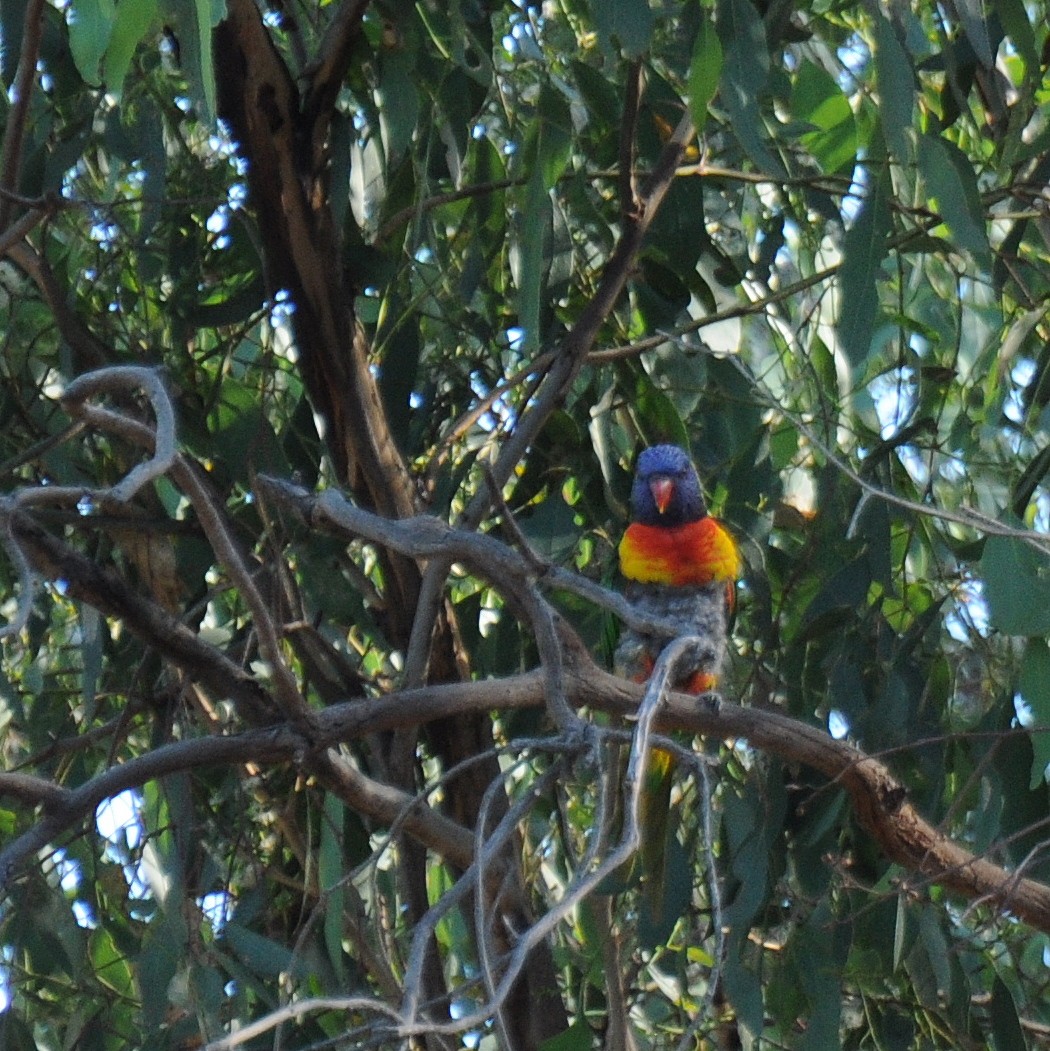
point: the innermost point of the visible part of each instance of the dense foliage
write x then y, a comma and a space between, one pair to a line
463, 260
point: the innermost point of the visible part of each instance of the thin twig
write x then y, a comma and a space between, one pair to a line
964, 516
296, 1011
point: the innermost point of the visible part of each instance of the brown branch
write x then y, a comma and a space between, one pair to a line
752, 307
71, 807
32, 791
620, 1034
68, 808
21, 97
880, 803
288, 189
403, 215
878, 799
328, 71
287, 186
111, 595
426, 538
574, 348
18, 230
106, 591
88, 351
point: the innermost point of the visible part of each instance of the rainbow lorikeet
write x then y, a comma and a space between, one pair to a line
681, 566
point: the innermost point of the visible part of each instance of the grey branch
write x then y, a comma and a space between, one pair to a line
161, 440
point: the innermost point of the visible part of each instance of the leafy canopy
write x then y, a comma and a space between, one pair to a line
463, 260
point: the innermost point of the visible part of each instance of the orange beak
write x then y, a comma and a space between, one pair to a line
663, 491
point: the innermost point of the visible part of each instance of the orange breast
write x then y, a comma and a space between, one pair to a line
698, 553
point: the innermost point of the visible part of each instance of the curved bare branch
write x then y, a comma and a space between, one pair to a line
878, 799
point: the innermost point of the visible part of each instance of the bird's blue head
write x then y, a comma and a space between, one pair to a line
666, 490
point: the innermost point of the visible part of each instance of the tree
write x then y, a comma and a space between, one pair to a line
330, 332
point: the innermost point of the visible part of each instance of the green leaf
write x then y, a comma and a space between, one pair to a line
398, 100
91, 650
398, 336
952, 183
745, 75
624, 23
930, 961
591, 936
655, 413
195, 20
1019, 29
553, 136
205, 994
901, 941
248, 440
705, 71
1017, 586
895, 79
577, 1037
488, 166
161, 866
1034, 687
18, 1036
975, 25
846, 588
742, 34
452, 930
528, 256
12, 26
134, 19
154, 969
263, 955
232, 307
1007, 1034
551, 528
665, 898
660, 294
90, 28
679, 231
748, 826
819, 950
1015, 810
330, 872
864, 249
599, 93
817, 100
743, 989
547, 150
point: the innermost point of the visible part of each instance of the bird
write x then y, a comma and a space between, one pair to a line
681, 566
